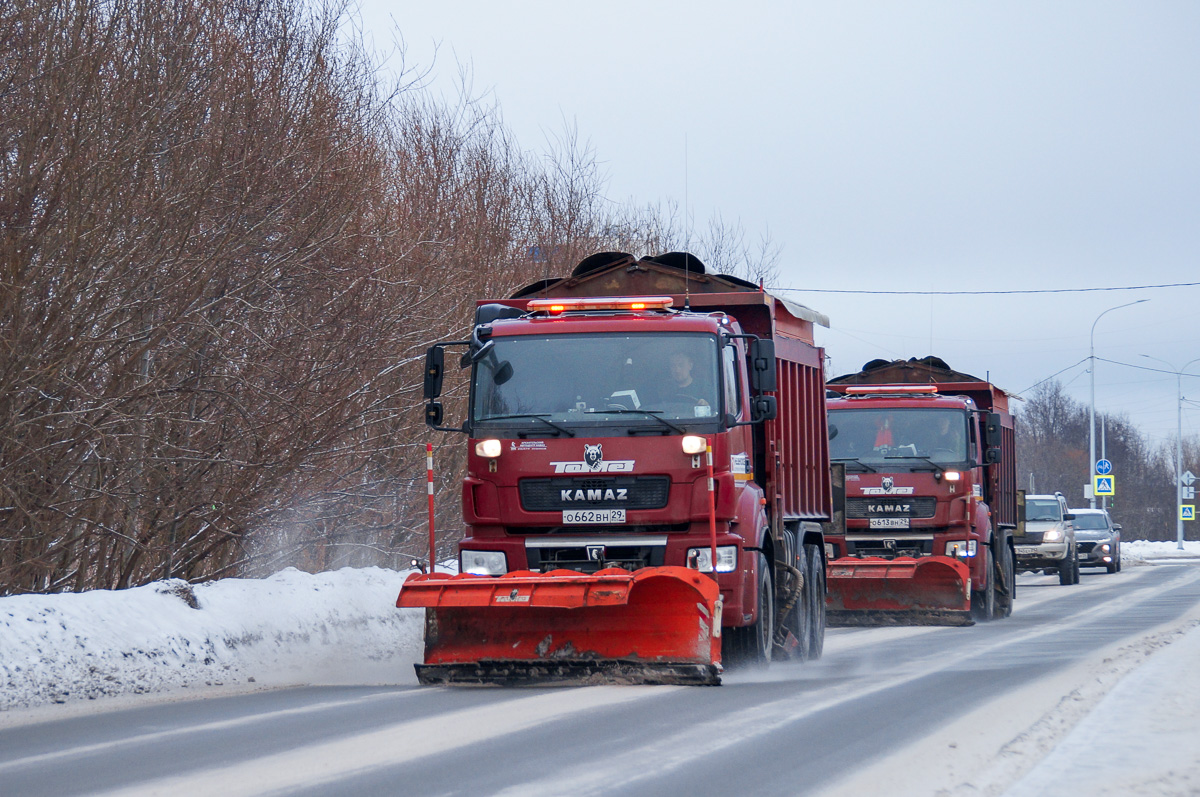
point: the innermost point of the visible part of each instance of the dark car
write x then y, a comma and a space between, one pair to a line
1097, 539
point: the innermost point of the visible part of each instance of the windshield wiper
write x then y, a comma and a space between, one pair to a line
650, 414
857, 461
936, 467
536, 417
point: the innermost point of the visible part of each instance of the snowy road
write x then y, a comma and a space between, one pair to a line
966, 710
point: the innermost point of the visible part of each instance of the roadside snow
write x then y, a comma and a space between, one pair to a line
294, 627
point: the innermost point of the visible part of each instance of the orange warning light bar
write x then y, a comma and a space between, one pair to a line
891, 389
636, 303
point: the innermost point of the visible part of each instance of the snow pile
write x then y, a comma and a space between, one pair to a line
294, 627
1137, 551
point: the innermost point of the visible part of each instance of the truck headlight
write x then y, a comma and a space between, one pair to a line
694, 444
701, 559
1053, 535
489, 449
961, 548
483, 563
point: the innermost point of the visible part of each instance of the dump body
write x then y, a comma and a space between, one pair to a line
930, 477
582, 459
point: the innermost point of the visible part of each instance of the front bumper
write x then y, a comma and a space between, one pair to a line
1046, 554
1090, 554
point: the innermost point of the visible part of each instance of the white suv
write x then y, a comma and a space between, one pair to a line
1045, 538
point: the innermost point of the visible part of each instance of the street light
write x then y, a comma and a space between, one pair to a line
1092, 414
1178, 445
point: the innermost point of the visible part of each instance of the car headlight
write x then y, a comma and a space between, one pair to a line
961, 548
701, 559
1053, 535
483, 563
1105, 548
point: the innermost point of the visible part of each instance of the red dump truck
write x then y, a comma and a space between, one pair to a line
930, 496
630, 430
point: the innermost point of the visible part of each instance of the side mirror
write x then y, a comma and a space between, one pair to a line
833, 431
1068, 516
992, 456
762, 365
435, 362
993, 430
503, 373
433, 414
763, 408
1116, 527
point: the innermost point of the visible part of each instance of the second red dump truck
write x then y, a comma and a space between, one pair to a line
931, 498
647, 481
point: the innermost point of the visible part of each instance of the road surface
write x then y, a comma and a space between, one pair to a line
885, 711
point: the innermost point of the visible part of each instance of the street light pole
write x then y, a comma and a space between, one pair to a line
1178, 446
1092, 413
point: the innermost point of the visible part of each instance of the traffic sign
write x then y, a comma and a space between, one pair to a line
1187, 478
1104, 467
1105, 485
1187, 511
1188, 493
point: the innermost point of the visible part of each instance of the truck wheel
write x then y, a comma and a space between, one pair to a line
799, 618
814, 585
751, 645
983, 603
1004, 603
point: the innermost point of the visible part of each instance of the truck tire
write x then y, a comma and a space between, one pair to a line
799, 618
983, 602
814, 585
1004, 603
751, 645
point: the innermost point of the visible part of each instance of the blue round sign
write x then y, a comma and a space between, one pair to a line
1104, 467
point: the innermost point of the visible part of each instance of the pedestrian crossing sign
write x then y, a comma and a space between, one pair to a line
1104, 485
1187, 511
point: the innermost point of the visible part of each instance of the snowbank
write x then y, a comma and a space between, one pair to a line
1138, 551
294, 627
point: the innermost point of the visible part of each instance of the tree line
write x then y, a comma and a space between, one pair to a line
1053, 456
227, 235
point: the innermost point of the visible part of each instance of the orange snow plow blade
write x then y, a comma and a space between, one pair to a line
934, 590
657, 625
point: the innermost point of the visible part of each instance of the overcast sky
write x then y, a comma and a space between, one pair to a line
906, 146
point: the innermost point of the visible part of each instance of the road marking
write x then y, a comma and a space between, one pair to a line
315, 764
220, 725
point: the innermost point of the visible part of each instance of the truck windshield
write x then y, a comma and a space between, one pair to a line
593, 378
899, 439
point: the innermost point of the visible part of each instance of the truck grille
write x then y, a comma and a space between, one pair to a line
919, 507
576, 557
612, 492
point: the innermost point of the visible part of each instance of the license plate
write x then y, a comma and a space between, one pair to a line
889, 523
1027, 550
583, 517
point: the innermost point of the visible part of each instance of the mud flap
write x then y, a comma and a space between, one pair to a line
655, 625
933, 590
